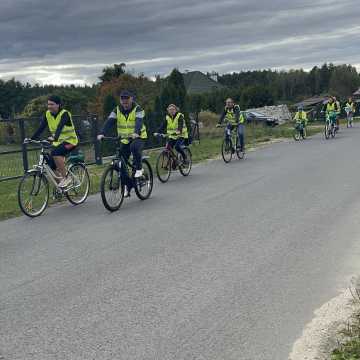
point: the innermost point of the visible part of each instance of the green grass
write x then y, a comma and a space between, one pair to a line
211, 139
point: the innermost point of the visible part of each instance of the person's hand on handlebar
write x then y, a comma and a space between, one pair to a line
135, 135
218, 125
100, 137
50, 139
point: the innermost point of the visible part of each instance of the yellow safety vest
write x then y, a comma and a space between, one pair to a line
173, 125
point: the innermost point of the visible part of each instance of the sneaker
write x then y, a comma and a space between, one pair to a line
126, 191
65, 182
139, 173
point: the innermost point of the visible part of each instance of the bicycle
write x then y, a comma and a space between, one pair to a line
117, 175
169, 160
299, 131
33, 190
227, 146
330, 125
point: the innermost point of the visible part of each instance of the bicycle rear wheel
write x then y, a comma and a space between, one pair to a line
33, 194
227, 150
333, 131
144, 185
80, 186
163, 166
112, 189
185, 166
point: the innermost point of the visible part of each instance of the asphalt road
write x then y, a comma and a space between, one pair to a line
229, 263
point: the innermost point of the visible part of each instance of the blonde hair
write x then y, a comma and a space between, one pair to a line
172, 106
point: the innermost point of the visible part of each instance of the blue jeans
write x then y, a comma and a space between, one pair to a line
240, 133
178, 145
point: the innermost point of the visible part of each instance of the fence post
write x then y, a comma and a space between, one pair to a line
23, 146
97, 148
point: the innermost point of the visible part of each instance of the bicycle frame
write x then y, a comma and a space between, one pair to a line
47, 171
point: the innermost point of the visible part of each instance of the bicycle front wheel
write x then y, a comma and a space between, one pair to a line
80, 186
163, 166
33, 194
185, 166
327, 131
296, 135
111, 189
227, 150
144, 185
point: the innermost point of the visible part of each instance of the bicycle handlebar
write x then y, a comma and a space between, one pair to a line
164, 135
115, 138
41, 142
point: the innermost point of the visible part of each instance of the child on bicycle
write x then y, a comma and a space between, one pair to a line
301, 118
174, 126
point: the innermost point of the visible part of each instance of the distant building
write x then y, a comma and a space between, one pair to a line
197, 82
356, 95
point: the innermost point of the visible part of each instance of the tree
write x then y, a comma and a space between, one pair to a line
112, 72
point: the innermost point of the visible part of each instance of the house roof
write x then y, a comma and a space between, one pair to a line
197, 82
357, 92
313, 100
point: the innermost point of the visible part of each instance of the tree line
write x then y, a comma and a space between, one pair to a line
248, 88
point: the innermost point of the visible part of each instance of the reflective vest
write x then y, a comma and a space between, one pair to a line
68, 133
126, 124
230, 115
172, 125
350, 106
331, 107
301, 116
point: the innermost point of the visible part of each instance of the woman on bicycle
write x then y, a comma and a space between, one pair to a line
350, 110
63, 135
174, 126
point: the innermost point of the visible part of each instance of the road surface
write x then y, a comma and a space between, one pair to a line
227, 264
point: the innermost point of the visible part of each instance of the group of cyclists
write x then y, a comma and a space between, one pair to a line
128, 119
332, 110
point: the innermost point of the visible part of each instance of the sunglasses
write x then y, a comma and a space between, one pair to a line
124, 97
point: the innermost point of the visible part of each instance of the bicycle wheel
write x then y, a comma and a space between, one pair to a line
327, 131
227, 150
80, 186
111, 189
303, 134
296, 135
163, 166
333, 131
33, 193
144, 185
185, 167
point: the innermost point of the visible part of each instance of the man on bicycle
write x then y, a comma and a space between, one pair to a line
301, 118
128, 118
176, 129
234, 118
63, 135
350, 110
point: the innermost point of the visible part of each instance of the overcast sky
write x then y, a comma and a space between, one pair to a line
70, 41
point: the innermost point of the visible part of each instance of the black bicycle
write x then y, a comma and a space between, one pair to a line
120, 173
33, 191
169, 160
299, 131
231, 145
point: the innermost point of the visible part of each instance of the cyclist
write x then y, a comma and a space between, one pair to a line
234, 118
301, 118
128, 118
350, 110
331, 111
63, 135
176, 129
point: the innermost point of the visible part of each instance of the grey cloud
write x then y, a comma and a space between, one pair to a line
153, 36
